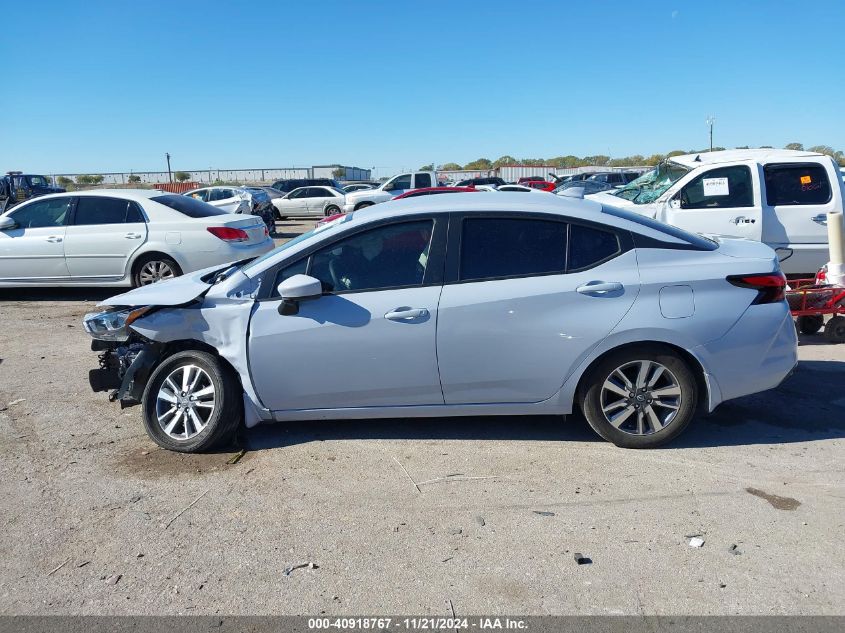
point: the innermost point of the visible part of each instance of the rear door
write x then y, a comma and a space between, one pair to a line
723, 200
798, 196
527, 296
35, 249
102, 236
316, 199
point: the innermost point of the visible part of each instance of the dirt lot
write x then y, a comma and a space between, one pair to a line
96, 519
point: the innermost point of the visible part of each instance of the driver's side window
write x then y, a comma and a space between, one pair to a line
47, 213
395, 255
724, 187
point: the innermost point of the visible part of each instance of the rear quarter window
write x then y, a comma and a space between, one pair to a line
188, 206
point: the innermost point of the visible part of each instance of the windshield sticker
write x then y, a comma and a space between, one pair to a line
806, 180
716, 187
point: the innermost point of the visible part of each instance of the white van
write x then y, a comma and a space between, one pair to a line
776, 196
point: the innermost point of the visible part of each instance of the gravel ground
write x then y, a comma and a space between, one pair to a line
97, 520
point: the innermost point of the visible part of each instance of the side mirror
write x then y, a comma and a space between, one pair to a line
295, 289
6, 223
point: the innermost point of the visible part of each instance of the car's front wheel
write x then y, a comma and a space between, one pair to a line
192, 403
640, 397
331, 210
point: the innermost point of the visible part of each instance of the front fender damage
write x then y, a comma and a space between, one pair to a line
222, 324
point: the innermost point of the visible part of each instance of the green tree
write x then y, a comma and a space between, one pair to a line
654, 159
450, 167
97, 180
479, 164
676, 152
339, 172
505, 160
822, 149
795, 146
429, 167
182, 176
134, 178
64, 181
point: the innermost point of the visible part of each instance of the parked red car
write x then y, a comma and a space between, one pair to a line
427, 191
542, 185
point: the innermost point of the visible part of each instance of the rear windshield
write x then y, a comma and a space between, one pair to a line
186, 205
697, 240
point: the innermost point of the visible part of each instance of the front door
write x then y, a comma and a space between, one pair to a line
102, 236
521, 314
369, 341
721, 201
35, 250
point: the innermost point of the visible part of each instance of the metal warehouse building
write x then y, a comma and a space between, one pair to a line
206, 176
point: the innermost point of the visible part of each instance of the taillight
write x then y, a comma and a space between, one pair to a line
228, 234
769, 286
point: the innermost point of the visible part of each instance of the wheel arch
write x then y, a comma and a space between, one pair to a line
141, 255
702, 378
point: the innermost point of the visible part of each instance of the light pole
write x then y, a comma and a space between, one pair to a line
169, 175
710, 121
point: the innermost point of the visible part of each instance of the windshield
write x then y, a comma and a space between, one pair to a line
38, 181
322, 228
653, 184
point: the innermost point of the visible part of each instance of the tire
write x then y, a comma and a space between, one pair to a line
834, 331
636, 429
331, 210
215, 428
810, 324
364, 205
145, 269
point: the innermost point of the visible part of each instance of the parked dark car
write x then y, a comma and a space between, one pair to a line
615, 178
262, 207
472, 182
286, 186
589, 186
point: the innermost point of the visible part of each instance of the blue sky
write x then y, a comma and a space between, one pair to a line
111, 86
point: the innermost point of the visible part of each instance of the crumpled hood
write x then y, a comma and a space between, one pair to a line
172, 292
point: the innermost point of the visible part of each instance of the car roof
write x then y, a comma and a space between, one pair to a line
129, 194
761, 155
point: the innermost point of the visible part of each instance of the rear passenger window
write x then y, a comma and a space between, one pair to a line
797, 183
589, 247
95, 210
422, 180
724, 187
509, 247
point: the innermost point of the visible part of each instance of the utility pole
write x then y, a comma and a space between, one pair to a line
169, 175
710, 121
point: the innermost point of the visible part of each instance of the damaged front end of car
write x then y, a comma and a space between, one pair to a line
126, 358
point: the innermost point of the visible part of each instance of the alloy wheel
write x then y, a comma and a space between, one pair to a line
154, 271
640, 397
185, 402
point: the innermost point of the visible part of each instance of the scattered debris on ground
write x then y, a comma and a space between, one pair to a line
777, 502
236, 457
544, 513
696, 541
581, 559
289, 570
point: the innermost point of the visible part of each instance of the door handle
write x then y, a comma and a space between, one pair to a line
133, 236
741, 219
406, 314
599, 287
54, 239
821, 218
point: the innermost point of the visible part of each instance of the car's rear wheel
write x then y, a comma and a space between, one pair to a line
810, 324
331, 210
153, 268
834, 331
640, 397
192, 403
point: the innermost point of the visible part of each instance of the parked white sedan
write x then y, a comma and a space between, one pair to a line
322, 201
229, 199
120, 238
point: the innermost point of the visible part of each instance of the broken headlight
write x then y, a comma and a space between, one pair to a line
112, 325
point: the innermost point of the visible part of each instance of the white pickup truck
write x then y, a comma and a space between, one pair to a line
389, 190
779, 197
